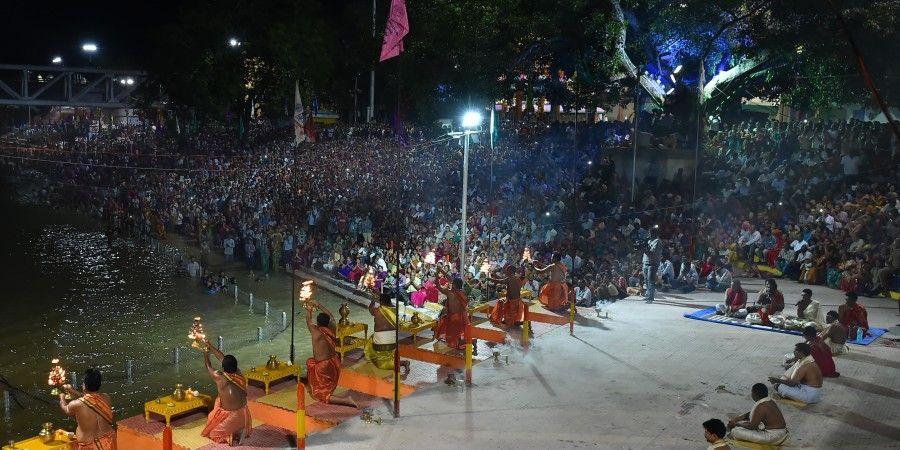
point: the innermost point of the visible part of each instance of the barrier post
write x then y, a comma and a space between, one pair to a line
176, 354
526, 327
301, 415
267, 310
571, 318
469, 355
251, 302
235, 294
128, 365
74, 379
167, 438
7, 406
221, 342
259, 333
283, 320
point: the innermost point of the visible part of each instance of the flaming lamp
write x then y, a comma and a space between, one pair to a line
197, 335
57, 377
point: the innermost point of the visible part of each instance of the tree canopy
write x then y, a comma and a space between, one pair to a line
571, 52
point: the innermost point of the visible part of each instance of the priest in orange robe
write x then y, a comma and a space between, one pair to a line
555, 294
229, 420
454, 319
509, 311
324, 368
93, 413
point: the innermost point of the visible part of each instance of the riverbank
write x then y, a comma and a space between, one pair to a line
120, 307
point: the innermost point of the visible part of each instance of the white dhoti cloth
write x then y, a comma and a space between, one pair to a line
760, 435
384, 337
774, 437
802, 393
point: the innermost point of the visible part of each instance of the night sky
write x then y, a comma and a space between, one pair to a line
34, 31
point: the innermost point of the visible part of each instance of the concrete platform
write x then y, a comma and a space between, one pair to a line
644, 378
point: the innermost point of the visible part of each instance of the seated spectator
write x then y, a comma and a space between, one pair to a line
735, 300
714, 431
719, 279
803, 380
852, 315
821, 354
834, 334
764, 424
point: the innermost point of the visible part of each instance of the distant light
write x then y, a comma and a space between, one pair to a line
122, 81
547, 213
89, 47
780, 203
683, 5
471, 119
672, 77
590, 162
670, 91
234, 42
56, 60
805, 121
677, 69
799, 49
129, 81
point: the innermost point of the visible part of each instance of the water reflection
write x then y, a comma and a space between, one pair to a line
75, 296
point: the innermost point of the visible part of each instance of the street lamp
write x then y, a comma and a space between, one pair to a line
90, 48
471, 123
233, 42
56, 60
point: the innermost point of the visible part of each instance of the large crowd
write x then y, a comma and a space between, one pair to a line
815, 201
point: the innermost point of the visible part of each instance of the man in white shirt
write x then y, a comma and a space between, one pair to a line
583, 295
228, 245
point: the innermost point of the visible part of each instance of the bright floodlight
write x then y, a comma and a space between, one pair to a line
672, 77
471, 119
234, 42
89, 47
677, 69
129, 81
56, 60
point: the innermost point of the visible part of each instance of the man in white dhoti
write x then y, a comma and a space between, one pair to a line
764, 424
835, 334
803, 380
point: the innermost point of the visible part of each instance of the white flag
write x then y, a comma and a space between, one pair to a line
299, 117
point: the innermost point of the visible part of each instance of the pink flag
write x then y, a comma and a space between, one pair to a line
395, 30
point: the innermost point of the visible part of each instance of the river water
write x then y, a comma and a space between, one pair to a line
70, 295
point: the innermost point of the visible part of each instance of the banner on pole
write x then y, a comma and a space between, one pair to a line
299, 117
395, 30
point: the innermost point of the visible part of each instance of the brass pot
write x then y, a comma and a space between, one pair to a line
344, 311
178, 395
47, 433
272, 363
415, 319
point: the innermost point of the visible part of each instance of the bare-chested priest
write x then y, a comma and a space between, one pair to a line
764, 424
555, 294
380, 349
509, 311
230, 416
803, 380
93, 413
324, 369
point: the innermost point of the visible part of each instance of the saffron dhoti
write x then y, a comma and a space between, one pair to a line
323, 377
105, 442
452, 328
555, 295
222, 424
508, 312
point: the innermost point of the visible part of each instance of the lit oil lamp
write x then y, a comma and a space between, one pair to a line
486, 267
526, 254
430, 258
306, 292
196, 335
57, 377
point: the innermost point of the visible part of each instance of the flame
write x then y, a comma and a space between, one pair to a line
430, 258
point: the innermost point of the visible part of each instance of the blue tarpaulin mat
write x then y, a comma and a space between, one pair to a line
709, 315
